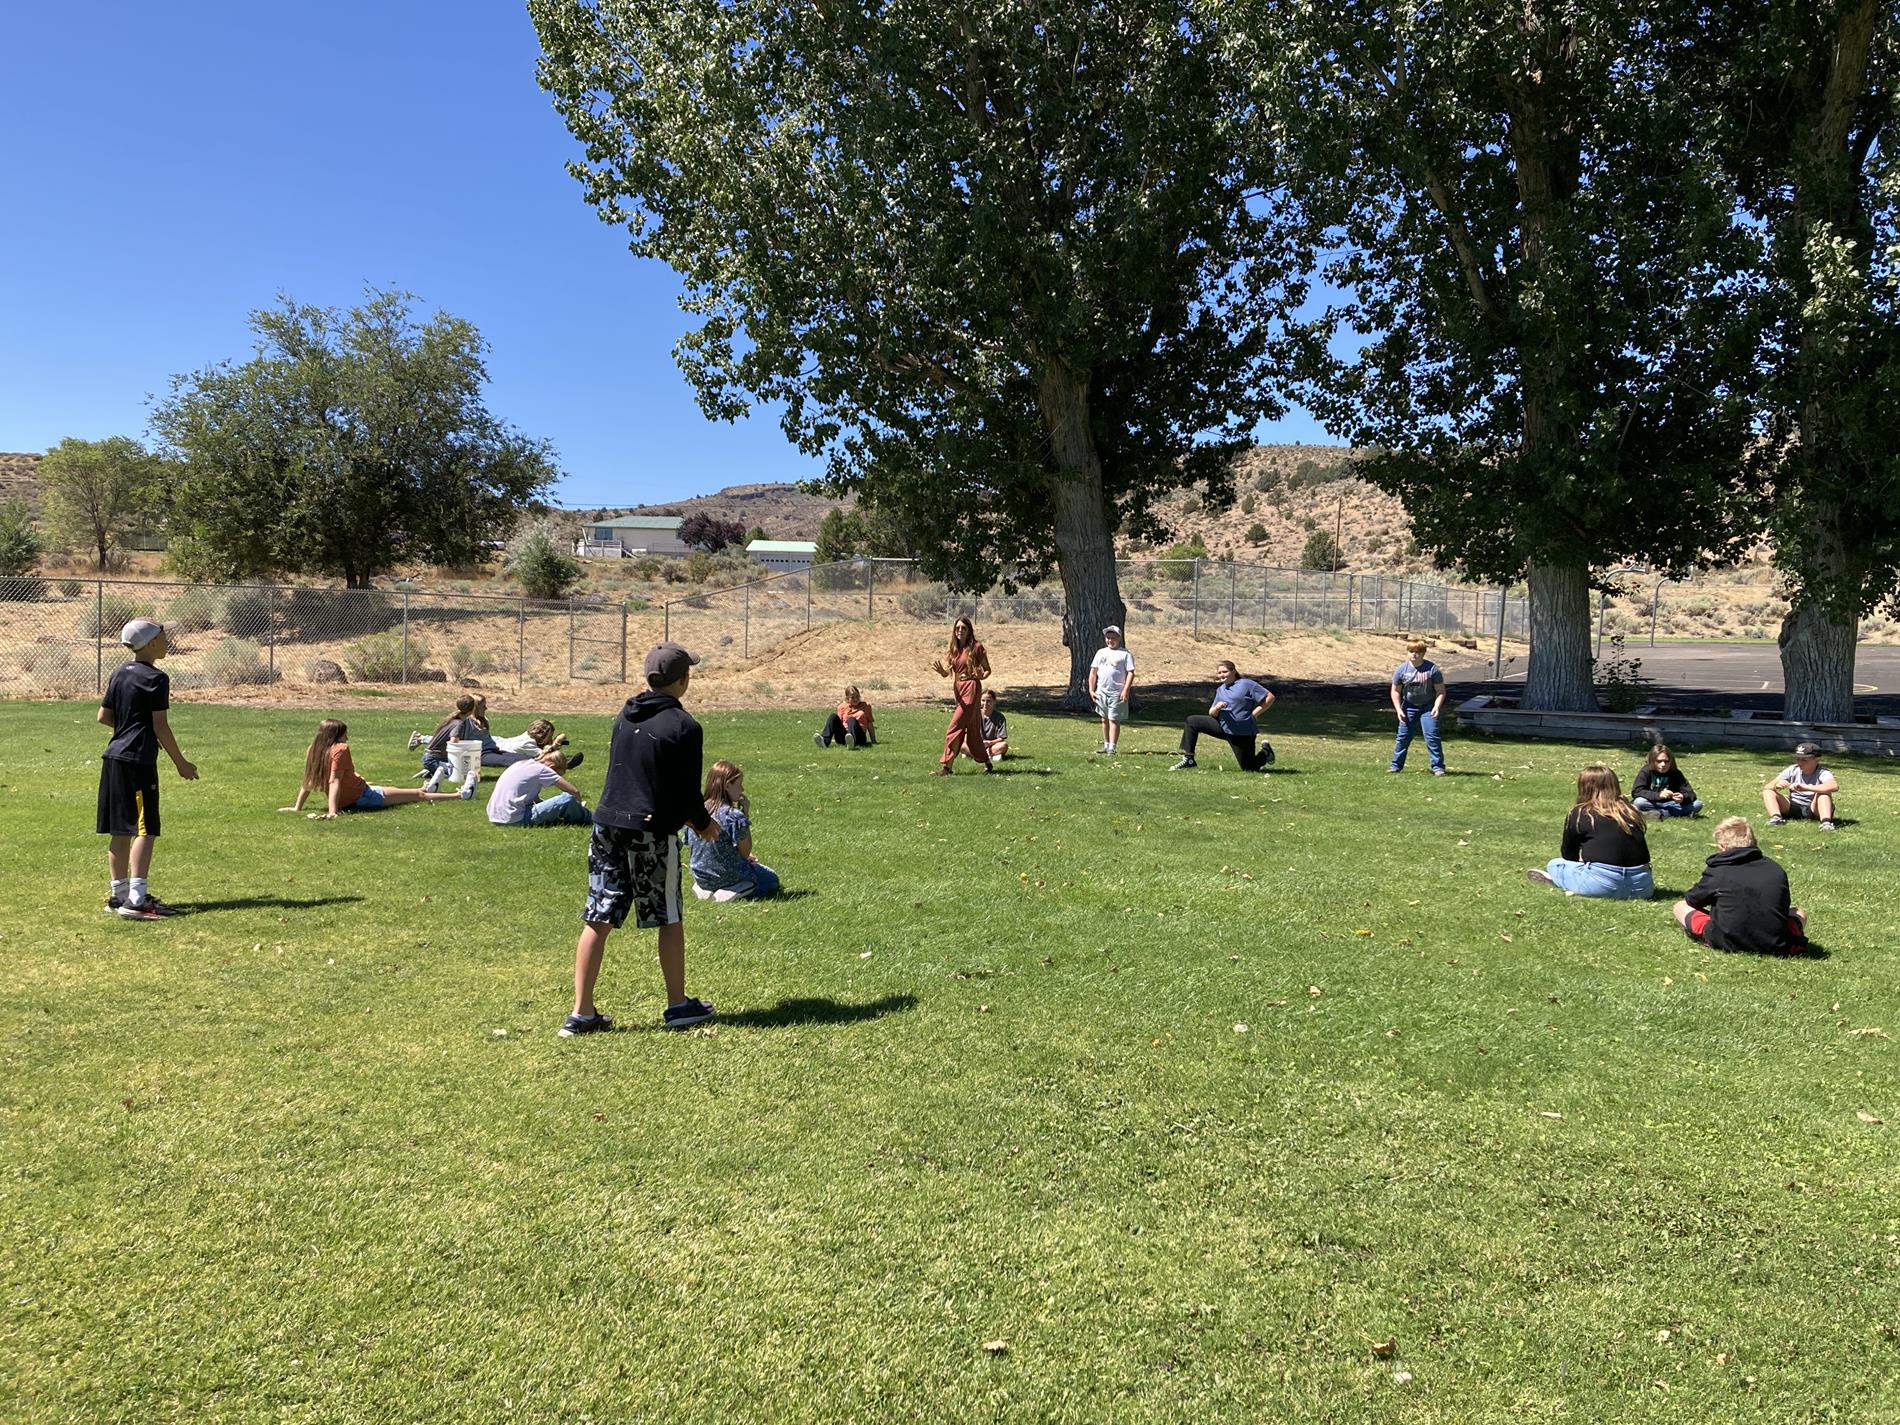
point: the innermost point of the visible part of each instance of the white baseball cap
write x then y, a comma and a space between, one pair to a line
141, 631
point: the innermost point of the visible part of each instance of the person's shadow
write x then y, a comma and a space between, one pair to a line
789, 1012
264, 903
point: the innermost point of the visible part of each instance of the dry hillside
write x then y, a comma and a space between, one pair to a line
783, 511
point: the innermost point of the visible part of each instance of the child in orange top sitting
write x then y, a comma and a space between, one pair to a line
850, 724
327, 764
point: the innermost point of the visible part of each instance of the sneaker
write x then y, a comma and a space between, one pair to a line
1777, 821
1538, 878
585, 1024
1652, 815
416, 740
989, 769
151, 908
819, 738
1438, 771
943, 770
576, 760
1395, 769
1182, 766
468, 791
1266, 755
687, 1013
1829, 826
112, 904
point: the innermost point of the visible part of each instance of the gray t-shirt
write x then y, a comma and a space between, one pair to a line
1418, 683
1800, 784
517, 789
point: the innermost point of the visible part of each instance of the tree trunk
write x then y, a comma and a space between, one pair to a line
1559, 676
1085, 546
1817, 665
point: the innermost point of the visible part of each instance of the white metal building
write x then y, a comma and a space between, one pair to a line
782, 553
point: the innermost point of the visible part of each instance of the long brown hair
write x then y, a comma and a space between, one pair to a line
961, 621
464, 705
316, 761
1661, 749
479, 710
1598, 791
718, 778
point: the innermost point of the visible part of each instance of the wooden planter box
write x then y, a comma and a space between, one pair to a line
1742, 728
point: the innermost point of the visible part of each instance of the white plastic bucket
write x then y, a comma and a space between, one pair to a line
465, 760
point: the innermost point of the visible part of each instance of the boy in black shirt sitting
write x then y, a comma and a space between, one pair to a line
1741, 902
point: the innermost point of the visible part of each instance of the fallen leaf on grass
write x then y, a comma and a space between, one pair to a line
1506, 936
1240, 1029
1547, 1113
1866, 1117
1363, 934
1667, 980
1315, 991
998, 1347
1870, 1032
1411, 902
1385, 1350
982, 1009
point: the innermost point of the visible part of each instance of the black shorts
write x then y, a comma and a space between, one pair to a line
629, 870
1800, 811
128, 798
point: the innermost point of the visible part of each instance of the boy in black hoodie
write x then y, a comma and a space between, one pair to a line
633, 859
1741, 902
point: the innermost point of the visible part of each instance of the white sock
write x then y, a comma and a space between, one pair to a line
135, 891
121, 889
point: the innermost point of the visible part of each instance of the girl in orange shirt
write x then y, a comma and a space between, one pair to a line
967, 664
326, 763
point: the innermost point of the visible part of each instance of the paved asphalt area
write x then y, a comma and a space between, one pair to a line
1735, 675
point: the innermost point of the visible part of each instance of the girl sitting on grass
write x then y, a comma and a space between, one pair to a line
724, 868
458, 726
327, 764
1660, 789
1604, 850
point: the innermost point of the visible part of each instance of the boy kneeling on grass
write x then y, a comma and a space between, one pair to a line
633, 858
1741, 902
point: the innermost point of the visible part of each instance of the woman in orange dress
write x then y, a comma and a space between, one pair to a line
967, 664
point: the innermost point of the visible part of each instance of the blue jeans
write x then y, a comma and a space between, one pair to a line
1592, 878
1692, 807
1418, 720
561, 810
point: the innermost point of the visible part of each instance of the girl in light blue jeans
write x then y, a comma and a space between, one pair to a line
1605, 853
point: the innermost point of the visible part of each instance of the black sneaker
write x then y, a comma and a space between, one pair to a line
1182, 766
585, 1024
113, 903
687, 1013
576, 760
1777, 821
1266, 754
151, 908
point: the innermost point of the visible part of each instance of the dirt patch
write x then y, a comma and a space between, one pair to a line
891, 662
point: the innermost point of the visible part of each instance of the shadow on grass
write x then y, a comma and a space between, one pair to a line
781, 894
266, 903
788, 1012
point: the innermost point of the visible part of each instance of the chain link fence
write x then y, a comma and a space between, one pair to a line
60, 637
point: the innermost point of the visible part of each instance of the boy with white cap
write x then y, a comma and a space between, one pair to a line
135, 704
1111, 679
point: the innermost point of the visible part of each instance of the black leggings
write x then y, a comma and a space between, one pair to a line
1202, 725
835, 727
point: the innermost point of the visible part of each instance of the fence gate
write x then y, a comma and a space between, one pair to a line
596, 642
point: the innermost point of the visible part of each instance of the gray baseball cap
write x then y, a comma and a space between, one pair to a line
1807, 749
668, 663
141, 631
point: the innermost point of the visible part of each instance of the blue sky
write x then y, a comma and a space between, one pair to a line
168, 169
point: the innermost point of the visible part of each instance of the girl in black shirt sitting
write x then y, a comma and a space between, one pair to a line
1604, 850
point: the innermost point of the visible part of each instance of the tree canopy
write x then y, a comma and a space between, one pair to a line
987, 260
711, 533
99, 491
1537, 242
351, 441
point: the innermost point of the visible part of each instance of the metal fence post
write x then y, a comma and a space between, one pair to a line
1265, 576
745, 621
98, 637
1197, 598
1296, 598
623, 643
521, 644
1497, 658
1233, 587
808, 598
405, 635
1655, 602
570, 638
870, 588
270, 626
1349, 583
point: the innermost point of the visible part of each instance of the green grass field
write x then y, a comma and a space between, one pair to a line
1197, 1090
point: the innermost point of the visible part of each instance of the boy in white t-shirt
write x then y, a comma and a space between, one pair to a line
1111, 679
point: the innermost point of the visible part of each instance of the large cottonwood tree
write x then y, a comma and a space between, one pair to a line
1538, 251
1810, 131
986, 258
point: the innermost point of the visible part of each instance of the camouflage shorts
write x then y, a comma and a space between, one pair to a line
629, 870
